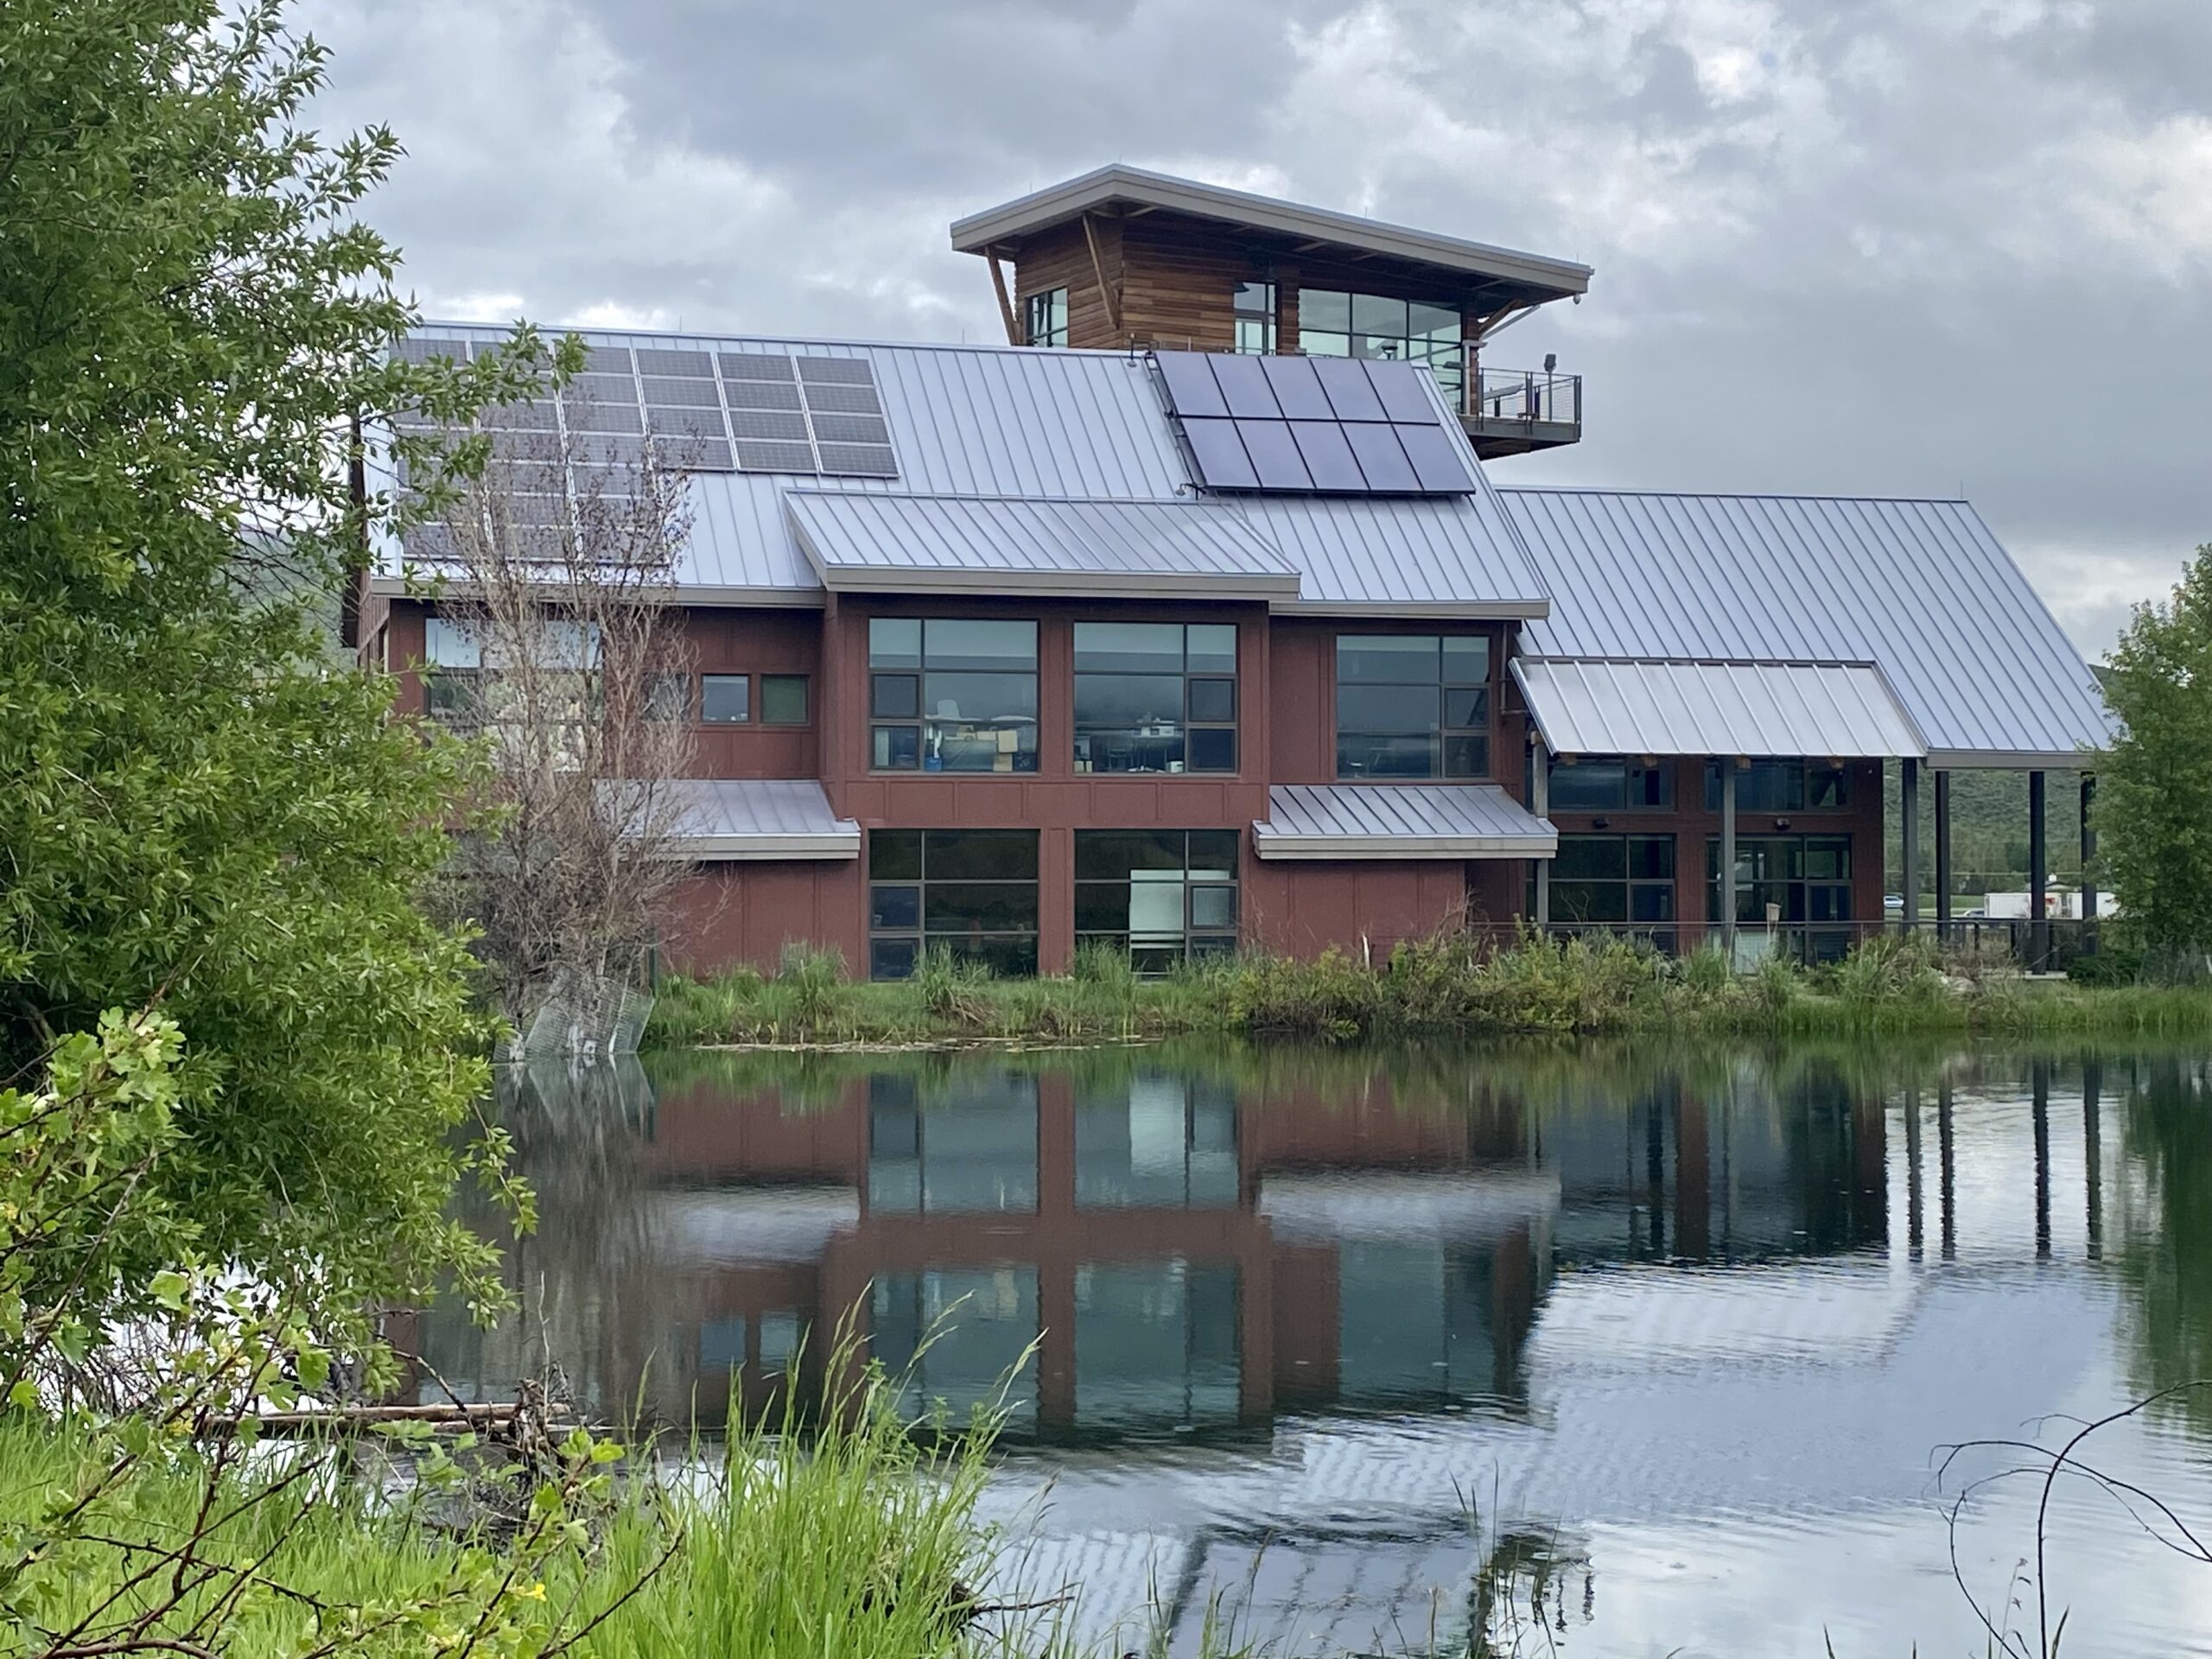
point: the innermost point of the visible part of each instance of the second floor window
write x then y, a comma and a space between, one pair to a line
1254, 304
1603, 783
1156, 696
951, 694
1048, 317
1780, 786
1413, 705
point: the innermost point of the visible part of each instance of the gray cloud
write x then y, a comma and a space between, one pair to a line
1890, 246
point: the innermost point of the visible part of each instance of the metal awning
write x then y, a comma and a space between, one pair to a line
1392, 821
728, 818
1764, 710
878, 543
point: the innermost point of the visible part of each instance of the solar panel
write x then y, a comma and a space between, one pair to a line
1435, 459
1328, 454
859, 460
1382, 458
1222, 464
1350, 391
1243, 386
1191, 390
1275, 455
785, 414
1297, 388
1398, 387
836, 371
1335, 426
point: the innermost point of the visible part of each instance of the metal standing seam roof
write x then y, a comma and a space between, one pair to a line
1759, 709
969, 544
1920, 589
730, 818
1008, 423
1395, 821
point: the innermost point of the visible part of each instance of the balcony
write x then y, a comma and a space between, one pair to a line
1511, 411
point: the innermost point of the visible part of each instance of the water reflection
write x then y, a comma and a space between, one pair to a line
1422, 1342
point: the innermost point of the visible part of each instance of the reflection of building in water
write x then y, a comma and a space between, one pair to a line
1145, 1251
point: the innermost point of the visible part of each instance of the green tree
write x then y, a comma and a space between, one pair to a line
195, 811
2154, 834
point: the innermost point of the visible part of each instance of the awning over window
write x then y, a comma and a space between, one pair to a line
1764, 710
761, 818
1399, 821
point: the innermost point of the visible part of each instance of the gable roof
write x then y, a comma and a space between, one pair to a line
1920, 589
1016, 423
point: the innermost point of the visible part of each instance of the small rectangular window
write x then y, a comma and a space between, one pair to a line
725, 699
1048, 317
1254, 306
782, 699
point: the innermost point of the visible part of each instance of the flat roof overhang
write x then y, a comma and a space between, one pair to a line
1536, 277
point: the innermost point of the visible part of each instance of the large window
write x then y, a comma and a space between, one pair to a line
1618, 882
1807, 878
462, 662
1609, 783
952, 695
1163, 895
1254, 306
1332, 323
1413, 705
972, 891
1780, 786
1156, 696
1048, 317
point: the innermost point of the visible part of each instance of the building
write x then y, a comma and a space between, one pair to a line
1191, 619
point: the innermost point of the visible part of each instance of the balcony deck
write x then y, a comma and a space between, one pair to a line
1512, 411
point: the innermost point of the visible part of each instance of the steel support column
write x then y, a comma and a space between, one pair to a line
2038, 879
1908, 805
1942, 854
1540, 802
1728, 853
2089, 862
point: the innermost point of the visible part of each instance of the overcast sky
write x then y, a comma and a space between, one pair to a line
1909, 247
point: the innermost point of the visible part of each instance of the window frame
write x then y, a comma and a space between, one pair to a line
917, 936
1822, 937
1445, 356
1630, 772
744, 680
1807, 781
1051, 304
1443, 733
805, 696
1659, 929
1086, 765
919, 723
1259, 314
1199, 941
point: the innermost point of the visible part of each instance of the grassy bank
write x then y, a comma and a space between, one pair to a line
864, 1547
1436, 988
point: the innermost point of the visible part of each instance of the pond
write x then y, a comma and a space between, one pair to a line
1617, 1349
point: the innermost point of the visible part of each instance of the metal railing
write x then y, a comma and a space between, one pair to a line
1531, 396
2051, 946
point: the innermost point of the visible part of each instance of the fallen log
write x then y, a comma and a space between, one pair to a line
349, 1420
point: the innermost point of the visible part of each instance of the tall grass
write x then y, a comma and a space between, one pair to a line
1447, 985
864, 1543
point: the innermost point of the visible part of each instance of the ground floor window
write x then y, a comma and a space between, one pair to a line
1166, 896
1806, 879
972, 891
1624, 883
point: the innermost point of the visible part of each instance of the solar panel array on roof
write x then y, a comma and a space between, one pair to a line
710, 411
1314, 425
